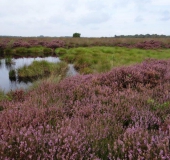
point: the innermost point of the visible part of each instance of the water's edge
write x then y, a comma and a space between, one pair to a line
7, 84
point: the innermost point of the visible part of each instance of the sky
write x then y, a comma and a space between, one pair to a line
90, 18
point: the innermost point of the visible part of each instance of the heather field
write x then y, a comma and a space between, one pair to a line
12, 43
120, 114
118, 108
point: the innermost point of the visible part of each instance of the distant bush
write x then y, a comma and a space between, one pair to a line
76, 34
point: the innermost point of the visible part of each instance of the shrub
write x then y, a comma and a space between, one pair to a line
76, 34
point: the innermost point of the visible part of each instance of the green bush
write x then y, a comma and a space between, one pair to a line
76, 34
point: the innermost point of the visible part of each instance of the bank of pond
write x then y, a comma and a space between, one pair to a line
86, 60
16, 73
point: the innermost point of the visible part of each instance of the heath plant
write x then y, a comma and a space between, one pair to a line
120, 114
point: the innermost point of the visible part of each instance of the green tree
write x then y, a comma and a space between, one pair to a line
76, 34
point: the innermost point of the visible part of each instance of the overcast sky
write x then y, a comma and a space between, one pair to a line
91, 18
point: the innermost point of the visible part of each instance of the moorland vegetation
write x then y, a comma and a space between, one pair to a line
117, 108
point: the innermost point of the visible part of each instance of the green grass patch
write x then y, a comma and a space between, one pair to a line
61, 51
102, 59
37, 51
40, 69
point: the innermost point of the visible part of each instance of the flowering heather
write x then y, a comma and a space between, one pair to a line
151, 44
55, 44
20, 43
145, 43
122, 114
34, 43
2, 45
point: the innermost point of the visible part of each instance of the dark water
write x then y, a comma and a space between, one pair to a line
7, 85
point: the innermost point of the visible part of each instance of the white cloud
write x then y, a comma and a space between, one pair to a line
165, 16
138, 19
160, 2
90, 17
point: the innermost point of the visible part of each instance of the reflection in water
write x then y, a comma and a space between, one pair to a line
0, 64
8, 66
8, 84
12, 78
15, 85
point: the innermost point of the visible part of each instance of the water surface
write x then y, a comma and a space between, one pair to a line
7, 85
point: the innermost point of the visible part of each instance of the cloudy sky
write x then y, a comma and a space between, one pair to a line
91, 18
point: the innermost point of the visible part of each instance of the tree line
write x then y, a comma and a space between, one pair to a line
143, 36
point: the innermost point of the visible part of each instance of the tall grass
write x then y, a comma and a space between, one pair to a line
39, 69
29, 52
102, 59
